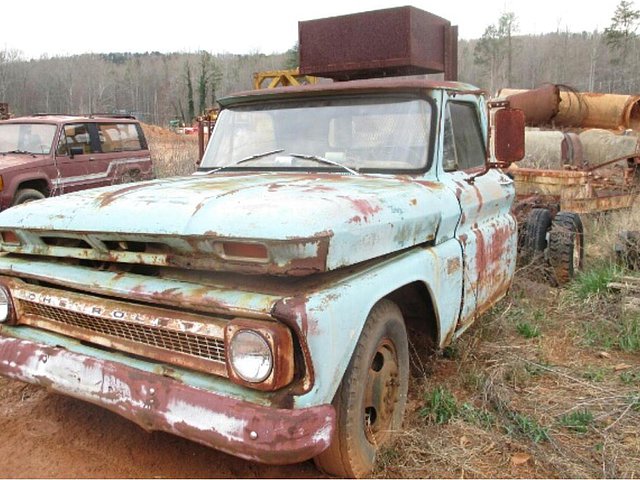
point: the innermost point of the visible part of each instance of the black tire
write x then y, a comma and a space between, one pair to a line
25, 195
566, 246
536, 227
371, 399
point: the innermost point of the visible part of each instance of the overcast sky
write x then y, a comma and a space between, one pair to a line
37, 27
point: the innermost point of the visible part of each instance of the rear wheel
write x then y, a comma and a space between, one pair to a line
566, 246
536, 228
25, 195
371, 399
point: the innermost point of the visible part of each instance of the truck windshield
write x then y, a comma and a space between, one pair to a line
35, 138
365, 132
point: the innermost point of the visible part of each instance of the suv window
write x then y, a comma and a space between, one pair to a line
26, 137
76, 139
464, 147
119, 137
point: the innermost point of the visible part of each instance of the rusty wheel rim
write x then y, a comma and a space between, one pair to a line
382, 392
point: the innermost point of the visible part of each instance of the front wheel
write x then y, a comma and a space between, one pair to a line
25, 195
371, 399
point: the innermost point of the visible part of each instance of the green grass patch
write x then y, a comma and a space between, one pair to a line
629, 336
527, 427
598, 334
528, 330
629, 378
440, 406
477, 416
593, 282
634, 400
578, 421
594, 374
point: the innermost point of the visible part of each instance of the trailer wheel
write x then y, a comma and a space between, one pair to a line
371, 399
566, 246
534, 240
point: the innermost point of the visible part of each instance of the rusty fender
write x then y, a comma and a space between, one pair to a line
250, 431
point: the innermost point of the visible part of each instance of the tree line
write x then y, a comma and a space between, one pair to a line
159, 87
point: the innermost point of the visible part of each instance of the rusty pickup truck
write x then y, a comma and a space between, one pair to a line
261, 305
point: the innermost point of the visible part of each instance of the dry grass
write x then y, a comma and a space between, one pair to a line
564, 403
172, 154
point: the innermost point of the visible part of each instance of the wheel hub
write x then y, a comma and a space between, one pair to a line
382, 392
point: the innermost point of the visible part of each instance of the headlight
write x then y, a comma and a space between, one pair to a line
251, 356
5, 305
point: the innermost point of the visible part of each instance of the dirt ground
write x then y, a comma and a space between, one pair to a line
43, 434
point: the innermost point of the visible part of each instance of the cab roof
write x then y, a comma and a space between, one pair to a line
390, 84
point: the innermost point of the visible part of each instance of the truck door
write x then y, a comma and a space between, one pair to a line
487, 229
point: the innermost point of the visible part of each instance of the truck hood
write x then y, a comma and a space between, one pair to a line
283, 223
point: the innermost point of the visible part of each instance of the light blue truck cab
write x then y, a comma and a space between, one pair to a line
261, 306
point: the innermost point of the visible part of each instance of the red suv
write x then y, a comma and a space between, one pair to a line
47, 155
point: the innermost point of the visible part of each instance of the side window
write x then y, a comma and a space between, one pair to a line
463, 141
75, 139
119, 137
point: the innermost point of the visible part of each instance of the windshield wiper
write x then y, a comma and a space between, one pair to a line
320, 159
255, 156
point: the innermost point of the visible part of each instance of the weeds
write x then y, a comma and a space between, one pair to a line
440, 406
528, 427
594, 374
629, 378
599, 334
478, 416
593, 282
629, 336
527, 330
578, 421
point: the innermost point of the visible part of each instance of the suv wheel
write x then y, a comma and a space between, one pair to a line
130, 176
25, 195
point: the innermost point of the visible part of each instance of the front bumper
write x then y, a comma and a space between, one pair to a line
250, 431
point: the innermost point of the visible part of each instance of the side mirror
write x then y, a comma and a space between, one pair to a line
508, 135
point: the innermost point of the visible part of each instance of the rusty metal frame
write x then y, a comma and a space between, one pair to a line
578, 191
282, 78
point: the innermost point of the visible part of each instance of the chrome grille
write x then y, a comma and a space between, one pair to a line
201, 346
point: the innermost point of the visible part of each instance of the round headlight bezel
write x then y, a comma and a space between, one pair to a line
250, 340
6, 305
